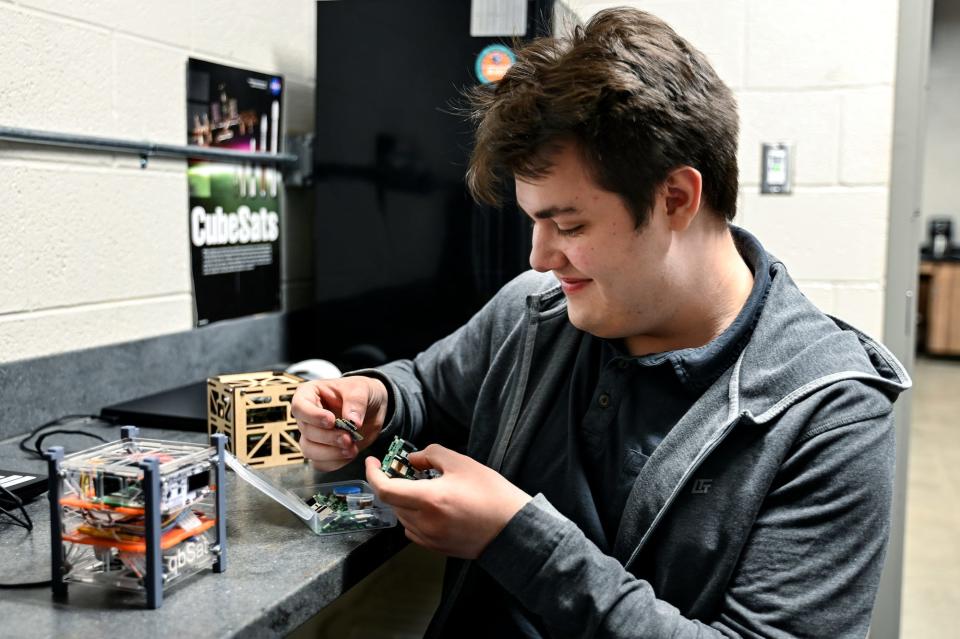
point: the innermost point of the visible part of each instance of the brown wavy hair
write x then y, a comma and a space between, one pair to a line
636, 99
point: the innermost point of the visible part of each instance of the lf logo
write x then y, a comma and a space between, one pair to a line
701, 486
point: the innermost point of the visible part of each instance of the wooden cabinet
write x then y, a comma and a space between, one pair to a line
939, 307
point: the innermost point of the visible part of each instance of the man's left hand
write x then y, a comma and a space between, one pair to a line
456, 514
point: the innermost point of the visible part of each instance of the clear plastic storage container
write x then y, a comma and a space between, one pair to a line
326, 509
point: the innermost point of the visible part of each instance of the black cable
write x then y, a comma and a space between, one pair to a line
62, 431
26, 522
38, 452
53, 422
27, 584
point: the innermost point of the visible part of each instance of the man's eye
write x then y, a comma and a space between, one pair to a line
573, 230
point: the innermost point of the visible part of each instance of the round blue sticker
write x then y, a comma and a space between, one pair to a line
494, 62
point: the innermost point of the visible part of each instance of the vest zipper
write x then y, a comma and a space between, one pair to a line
496, 459
709, 448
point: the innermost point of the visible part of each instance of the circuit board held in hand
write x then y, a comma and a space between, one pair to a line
349, 427
397, 465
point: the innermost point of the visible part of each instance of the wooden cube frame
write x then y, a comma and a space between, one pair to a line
253, 411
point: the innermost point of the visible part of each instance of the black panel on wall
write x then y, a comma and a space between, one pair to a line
402, 254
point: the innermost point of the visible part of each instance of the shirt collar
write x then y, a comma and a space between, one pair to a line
700, 366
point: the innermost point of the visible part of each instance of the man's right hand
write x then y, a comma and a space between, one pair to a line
317, 404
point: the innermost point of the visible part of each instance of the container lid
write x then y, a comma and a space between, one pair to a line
284, 497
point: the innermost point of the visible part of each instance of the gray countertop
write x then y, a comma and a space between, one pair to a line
279, 574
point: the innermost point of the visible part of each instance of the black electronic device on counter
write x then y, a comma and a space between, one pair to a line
26, 486
182, 408
402, 254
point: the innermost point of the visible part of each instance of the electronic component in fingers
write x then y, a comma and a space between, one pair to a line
349, 427
396, 464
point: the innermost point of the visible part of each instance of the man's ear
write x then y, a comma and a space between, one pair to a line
681, 192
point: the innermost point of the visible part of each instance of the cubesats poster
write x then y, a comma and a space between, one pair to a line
234, 207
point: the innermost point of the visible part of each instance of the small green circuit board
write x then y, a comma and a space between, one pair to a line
125, 497
350, 520
337, 516
348, 426
396, 464
323, 504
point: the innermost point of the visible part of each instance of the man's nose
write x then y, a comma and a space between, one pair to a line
544, 256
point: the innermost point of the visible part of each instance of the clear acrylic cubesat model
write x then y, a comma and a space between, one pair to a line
137, 515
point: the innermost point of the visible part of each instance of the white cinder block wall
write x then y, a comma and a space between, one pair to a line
95, 250
819, 74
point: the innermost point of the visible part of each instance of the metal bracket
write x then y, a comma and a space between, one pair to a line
302, 173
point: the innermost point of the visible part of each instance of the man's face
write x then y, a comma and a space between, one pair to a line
615, 276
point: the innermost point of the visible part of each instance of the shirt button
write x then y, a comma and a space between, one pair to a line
603, 400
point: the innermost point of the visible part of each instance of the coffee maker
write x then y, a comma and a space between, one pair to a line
940, 238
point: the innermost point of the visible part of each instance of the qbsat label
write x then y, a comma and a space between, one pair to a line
188, 554
243, 227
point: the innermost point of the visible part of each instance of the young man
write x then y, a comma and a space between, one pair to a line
662, 436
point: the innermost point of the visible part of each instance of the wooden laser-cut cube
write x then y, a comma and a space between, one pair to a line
253, 411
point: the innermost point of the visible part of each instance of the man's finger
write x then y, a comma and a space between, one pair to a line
348, 398
326, 436
407, 514
329, 466
353, 405
416, 537
307, 413
434, 456
309, 408
324, 452
412, 536
397, 492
